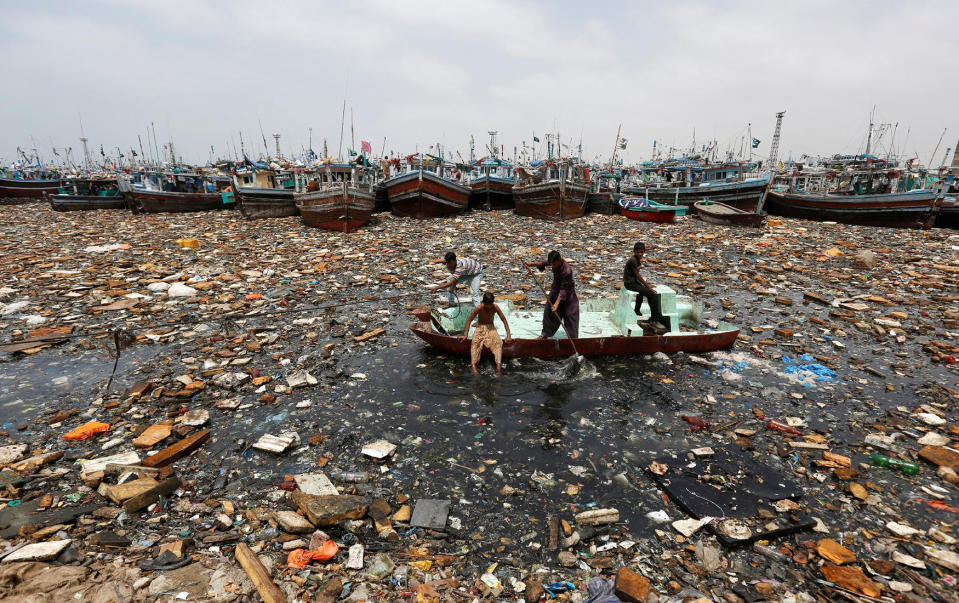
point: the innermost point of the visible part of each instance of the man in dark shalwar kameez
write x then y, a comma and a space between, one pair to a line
562, 303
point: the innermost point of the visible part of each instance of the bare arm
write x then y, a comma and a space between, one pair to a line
469, 321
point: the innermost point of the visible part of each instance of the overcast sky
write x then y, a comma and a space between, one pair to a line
423, 72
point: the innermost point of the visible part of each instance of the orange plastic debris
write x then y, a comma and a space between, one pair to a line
300, 558
253, 296
939, 505
86, 431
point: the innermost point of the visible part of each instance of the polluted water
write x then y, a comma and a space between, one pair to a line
273, 425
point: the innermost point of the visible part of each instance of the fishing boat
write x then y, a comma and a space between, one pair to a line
685, 184
341, 198
160, 192
491, 184
910, 209
645, 210
861, 190
81, 194
552, 190
261, 194
607, 327
21, 190
727, 215
427, 187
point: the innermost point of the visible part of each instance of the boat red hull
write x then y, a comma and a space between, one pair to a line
897, 210
549, 201
336, 210
601, 203
662, 217
21, 191
586, 346
429, 196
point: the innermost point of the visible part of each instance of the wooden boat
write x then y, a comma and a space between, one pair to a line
256, 202
552, 190
910, 209
491, 182
604, 192
15, 190
608, 327
727, 215
716, 185
381, 200
178, 195
948, 214
88, 194
341, 198
259, 196
429, 189
645, 210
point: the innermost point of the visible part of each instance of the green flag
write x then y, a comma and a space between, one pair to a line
755, 142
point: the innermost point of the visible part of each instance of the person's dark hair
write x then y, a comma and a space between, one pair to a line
450, 256
639, 245
553, 256
488, 298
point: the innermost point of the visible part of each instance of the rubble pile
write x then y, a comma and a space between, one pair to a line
200, 407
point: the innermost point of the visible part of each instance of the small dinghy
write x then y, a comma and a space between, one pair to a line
644, 210
727, 215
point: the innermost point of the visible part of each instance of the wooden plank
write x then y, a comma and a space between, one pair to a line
178, 450
125, 491
154, 434
144, 500
258, 575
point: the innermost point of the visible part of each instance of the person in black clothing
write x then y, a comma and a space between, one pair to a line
634, 281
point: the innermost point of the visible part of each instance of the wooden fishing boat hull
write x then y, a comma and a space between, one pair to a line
744, 195
490, 193
550, 200
152, 202
336, 209
86, 202
257, 203
726, 215
948, 214
381, 200
913, 209
697, 343
426, 195
22, 191
660, 216
604, 202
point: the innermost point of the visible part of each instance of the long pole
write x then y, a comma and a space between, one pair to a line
612, 158
933, 157
155, 147
339, 153
352, 135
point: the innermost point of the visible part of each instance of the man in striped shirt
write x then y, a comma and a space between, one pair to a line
464, 270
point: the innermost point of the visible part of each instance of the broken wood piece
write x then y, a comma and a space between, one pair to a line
125, 491
258, 575
177, 451
145, 499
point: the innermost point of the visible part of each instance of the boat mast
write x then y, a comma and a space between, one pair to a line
869, 137
612, 158
933, 157
339, 154
156, 149
263, 136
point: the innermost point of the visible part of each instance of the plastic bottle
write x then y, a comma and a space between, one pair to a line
355, 477
770, 552
906, 467
777, 426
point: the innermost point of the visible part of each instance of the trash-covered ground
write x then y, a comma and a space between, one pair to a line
274, 429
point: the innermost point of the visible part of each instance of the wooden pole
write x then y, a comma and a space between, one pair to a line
258, 575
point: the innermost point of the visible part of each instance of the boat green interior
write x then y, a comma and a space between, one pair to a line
611, 317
